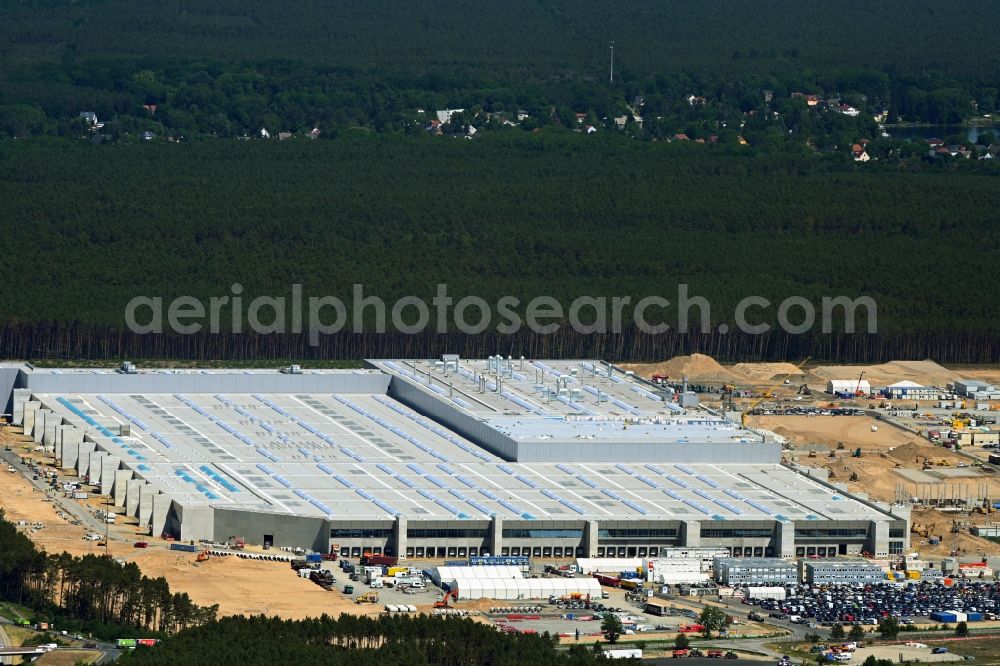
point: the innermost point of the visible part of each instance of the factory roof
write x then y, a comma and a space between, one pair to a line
535, 401
351, 456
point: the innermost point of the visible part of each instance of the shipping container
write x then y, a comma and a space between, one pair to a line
186, 547
314, 557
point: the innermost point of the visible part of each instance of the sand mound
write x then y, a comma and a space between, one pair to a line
926, 373
765, 371
696, 367
908, 453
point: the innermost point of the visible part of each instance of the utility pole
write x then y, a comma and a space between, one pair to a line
612, 61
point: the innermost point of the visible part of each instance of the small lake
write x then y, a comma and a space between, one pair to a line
970, 132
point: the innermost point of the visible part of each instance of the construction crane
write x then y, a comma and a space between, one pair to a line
857, 389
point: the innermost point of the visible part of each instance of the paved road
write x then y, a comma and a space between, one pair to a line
5, 640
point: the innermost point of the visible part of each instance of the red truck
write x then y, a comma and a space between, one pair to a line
371, 559
609, 581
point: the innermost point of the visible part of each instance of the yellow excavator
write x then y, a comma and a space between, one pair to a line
367, 598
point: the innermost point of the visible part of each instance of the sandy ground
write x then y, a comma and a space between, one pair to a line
927, 373
702, 368
877, 473
893, 653
853, 431
697, 368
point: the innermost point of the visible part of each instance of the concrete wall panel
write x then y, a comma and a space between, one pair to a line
109, 465
69, 447
20, 397
39, 430
30, 413
132, 488
122, 477
85, 450
146, 494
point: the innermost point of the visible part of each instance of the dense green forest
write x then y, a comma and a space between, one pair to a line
727, 155
87, 228
358, 641
93, 593
182, 68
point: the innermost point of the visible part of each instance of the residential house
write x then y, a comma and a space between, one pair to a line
934, 142
522, 115
147, 136
620, 121
580, 117
692, 100
284, 136
848, 110
590, 129
444, 115
90, 118
264, 134
313, 133
681, 137
151, 108
811, 100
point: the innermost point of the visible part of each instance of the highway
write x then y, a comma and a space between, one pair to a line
5, 641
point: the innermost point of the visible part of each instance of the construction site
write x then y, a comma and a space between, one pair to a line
219, 480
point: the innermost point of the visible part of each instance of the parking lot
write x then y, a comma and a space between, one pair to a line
867, 604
